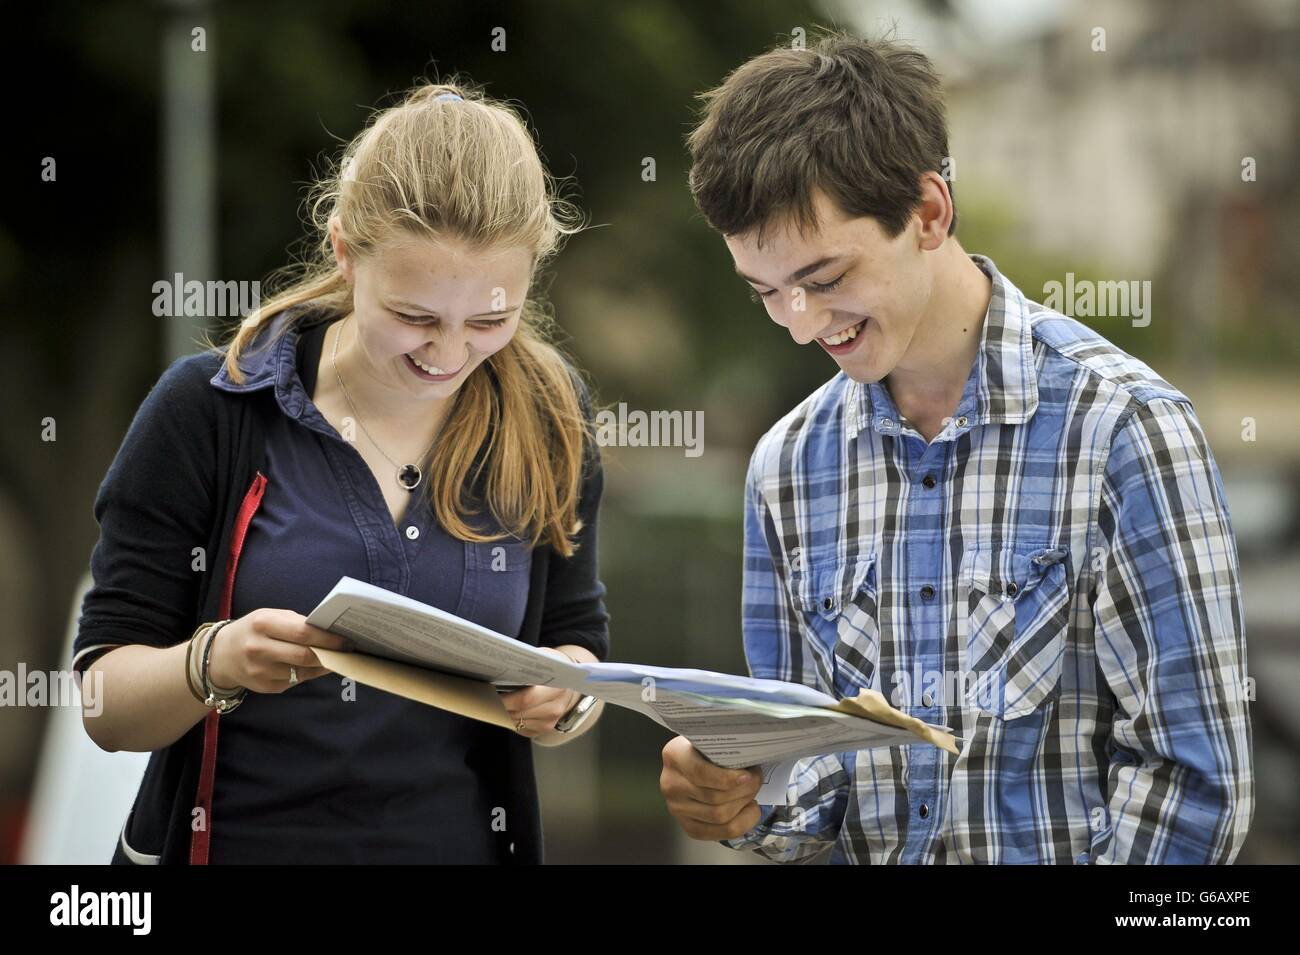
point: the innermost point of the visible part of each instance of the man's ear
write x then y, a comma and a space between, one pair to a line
935, 211
341, 257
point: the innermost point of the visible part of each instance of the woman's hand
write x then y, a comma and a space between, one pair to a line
540, 707
257, 650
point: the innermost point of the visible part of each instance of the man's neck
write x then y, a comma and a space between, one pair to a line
927, 384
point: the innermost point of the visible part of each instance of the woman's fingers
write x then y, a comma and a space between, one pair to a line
272, 658
257, 650
291, 627
540, 707
309, 673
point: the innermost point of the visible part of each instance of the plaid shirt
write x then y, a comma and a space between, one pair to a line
1054, 577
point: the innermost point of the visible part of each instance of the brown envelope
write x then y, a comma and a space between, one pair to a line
472, 698
873, 705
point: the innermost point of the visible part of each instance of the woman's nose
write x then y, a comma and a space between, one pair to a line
452, 349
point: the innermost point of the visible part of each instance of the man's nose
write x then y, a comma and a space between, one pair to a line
801, 321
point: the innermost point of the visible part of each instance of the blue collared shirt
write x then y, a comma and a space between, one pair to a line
332, 771
1053, 576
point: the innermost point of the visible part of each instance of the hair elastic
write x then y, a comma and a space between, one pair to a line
450, 96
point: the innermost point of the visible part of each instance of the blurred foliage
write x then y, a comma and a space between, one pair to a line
988, 226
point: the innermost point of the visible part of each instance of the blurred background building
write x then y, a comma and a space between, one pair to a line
1166, 152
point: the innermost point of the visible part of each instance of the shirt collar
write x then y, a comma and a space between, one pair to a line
1002, 387
271, 361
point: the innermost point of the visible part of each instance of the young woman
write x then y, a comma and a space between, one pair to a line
395, 414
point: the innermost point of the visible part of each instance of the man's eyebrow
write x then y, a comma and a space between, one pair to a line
798, 273
420, 308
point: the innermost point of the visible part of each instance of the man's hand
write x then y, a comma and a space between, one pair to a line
709, 802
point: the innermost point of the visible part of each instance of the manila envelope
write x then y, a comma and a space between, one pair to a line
472, 698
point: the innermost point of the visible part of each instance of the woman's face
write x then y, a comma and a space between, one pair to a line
428, 313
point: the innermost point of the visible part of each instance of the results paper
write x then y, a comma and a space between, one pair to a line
735, 721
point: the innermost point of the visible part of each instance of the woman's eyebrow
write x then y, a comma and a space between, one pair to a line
397, 303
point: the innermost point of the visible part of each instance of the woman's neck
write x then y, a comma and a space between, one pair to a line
390, 416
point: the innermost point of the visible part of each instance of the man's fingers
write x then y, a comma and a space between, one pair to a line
708, 813
704, 773
718, 797
745, 820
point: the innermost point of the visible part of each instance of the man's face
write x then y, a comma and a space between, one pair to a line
848, 278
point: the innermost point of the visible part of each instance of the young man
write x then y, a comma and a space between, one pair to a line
991, 515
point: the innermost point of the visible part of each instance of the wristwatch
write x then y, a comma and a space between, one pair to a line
577, 715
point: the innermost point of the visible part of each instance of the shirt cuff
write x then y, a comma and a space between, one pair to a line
86, 656
760, 835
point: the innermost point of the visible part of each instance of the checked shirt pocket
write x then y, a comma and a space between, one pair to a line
1016, 618
839, 603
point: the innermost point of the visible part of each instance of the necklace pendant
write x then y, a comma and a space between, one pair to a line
409, 476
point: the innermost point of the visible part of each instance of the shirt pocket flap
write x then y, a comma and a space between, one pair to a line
857, 626
1017, 621
837, 598
825, 587
1010, 571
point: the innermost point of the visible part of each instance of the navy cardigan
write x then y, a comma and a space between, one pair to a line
190, 456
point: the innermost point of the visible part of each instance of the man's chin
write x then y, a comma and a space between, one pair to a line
864, 373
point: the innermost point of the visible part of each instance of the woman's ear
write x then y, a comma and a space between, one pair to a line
341, 256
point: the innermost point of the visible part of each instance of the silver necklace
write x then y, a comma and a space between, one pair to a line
408, 475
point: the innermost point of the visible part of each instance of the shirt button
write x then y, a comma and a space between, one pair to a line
1012, 589
961, 422
827, 603
924, 811
928, 481
412, 532
927, 699
927, 592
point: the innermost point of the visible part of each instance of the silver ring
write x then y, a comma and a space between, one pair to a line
293, 675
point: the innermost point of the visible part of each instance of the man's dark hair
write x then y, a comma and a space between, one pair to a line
860, 119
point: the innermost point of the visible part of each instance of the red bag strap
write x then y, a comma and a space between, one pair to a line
200, 839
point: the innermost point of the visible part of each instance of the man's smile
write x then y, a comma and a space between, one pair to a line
845, 340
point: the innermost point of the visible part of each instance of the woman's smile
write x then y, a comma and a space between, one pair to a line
430, 372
